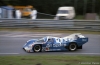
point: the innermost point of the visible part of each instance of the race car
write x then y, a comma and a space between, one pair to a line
49, 43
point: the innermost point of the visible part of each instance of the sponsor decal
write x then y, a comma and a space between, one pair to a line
83, 39
49, 45
56, 45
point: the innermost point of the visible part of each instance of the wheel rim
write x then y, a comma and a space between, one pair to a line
73, 47
37, 48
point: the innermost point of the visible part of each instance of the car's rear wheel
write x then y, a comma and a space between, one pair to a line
37, 48
72, 47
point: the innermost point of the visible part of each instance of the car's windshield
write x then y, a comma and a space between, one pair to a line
44, 39
62, 11
40, 40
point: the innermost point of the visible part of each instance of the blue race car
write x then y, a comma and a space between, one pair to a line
72, 43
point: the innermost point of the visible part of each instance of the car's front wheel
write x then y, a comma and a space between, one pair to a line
72, 47
37, 48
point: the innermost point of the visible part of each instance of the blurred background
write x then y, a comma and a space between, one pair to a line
47, 9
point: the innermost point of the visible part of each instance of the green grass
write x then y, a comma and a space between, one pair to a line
45, 30
49, 60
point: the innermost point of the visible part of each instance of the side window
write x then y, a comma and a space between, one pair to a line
57, 40
50, 40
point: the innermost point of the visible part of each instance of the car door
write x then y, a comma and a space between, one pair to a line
49, 44
57, 45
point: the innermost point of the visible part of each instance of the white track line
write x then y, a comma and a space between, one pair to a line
48, 34
29, 35
84, 53
8, 53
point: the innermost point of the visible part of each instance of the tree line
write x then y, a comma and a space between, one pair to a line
51, 6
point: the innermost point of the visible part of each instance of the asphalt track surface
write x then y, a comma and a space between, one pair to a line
11, 43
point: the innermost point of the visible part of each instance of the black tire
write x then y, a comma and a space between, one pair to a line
72, 47
37, 48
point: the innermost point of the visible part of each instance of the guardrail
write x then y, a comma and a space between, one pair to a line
89, 25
